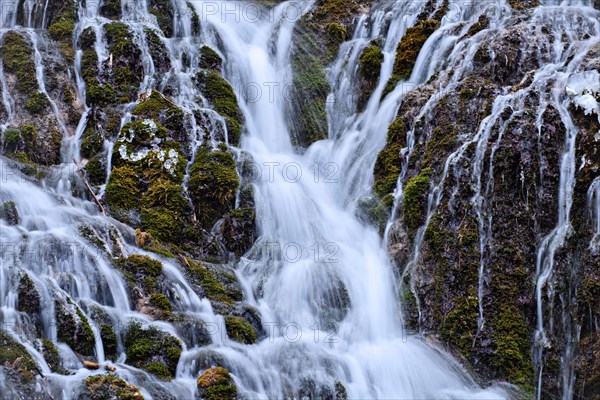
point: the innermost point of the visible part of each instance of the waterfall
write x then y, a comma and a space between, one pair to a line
320, 278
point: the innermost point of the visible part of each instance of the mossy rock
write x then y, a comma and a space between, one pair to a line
408, 51
37, 103
164, 13
389, 161
213, 184
29, 300
216, 384
158, 108
240, 330
162, 210
161, 302
52, 357
15, 356
239, 230
109, 341
141, 271
221, 96
152, 350
9, 213
109, 386
158, 51
370, 70
18, 60
415, 200
122, 192
73, 328
217, 287
460, 325
210, 59
111, 9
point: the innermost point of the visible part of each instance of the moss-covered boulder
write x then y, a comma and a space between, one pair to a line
239, 230
18, 60
216, 384
152, 350
109, 386
213, 184
369, 69
222, 98
73, 328
415, 200
14, 355
218, 285
240, 330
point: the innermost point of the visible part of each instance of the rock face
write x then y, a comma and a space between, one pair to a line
483, 190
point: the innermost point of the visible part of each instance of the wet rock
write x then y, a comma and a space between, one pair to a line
216, 384
108, 386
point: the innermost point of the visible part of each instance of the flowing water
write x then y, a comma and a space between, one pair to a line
320, 278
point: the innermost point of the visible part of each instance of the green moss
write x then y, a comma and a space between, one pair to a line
9, 213
122, 193
195, 19
37, 103
157, 107
127, 65
389, 161
109, 341
73, 328
370, 63
111, 9
408, 51
216, 384
109, 386
213, 184
441, 143
29, 300
146, 348
240, 330
13, 354
18, 60
140, 270
161, 301
62, 29
221, 96
52, 357
164, 13
415, 200
512, 347
92, 142
459, 326
209, 281
210, 59
11, 141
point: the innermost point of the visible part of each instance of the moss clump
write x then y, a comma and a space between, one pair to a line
389, 161
161, 301
441, 143
240, 330
310, 91
109, 341
162, 216
147, 348
11, 141
52, 357
221, 96
111, 9
122, 192
15, 356
127, 71
73, 328
408, 51
158, 108
370, 63
415, 200
62, 25
213, 184
140, 270
37, 103
18, 60
512, 348
239, 230
29, 297
211, 284
38, 148
210, 59
460, 325
9, 213
216, 384
109, 386
92, 142
164, 13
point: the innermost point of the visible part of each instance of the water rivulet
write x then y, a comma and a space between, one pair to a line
299, 199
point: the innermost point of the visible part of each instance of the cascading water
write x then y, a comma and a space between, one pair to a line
320, 278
